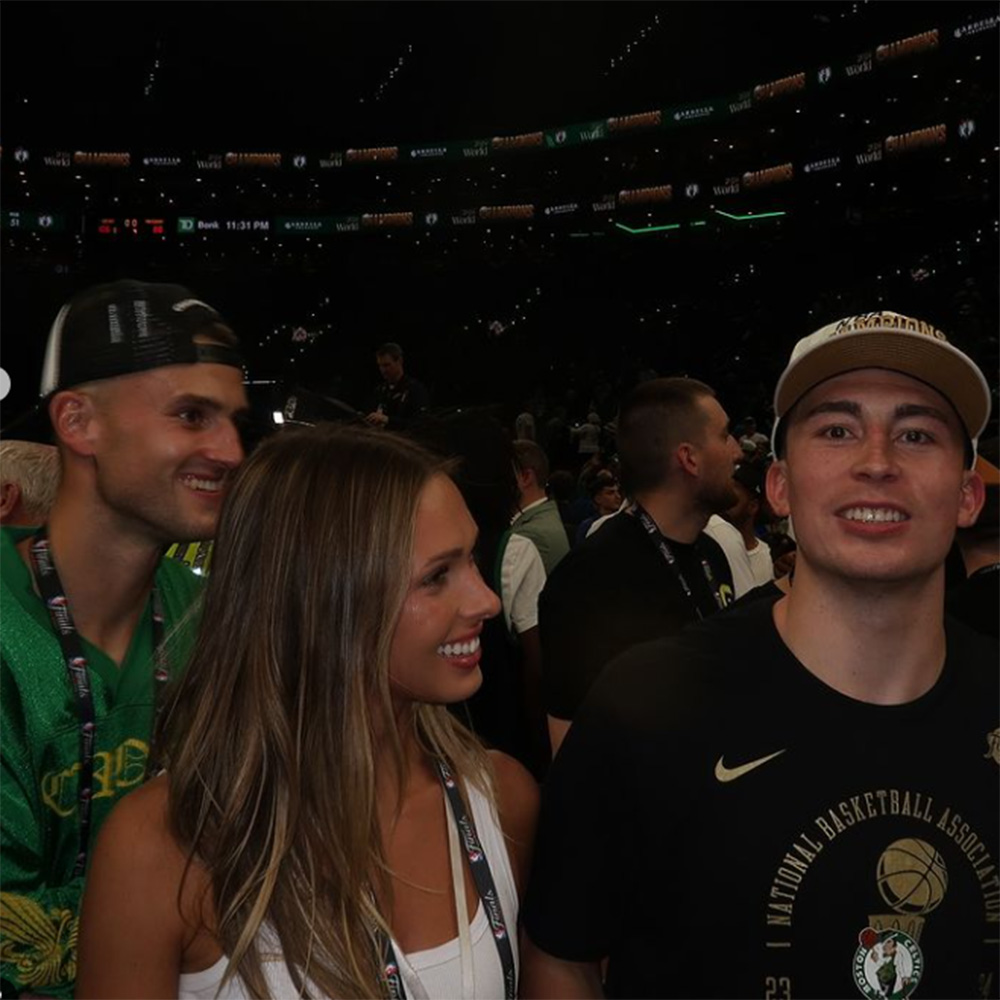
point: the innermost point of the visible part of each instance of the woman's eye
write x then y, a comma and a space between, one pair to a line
436, 578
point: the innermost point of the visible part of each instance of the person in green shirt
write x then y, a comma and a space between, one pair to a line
143, 387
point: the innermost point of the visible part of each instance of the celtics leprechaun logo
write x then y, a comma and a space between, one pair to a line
912, 878
887, 965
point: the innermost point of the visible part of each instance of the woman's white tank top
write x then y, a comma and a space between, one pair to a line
433, 974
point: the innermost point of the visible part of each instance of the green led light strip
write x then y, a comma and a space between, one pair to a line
647, 229
698, 222
747, 218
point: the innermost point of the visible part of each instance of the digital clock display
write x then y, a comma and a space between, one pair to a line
192, 224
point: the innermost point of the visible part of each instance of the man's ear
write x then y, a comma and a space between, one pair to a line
10, 496
73, 416
971, 499
687, 458
777, 488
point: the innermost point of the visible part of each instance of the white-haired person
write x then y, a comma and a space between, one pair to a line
29, 478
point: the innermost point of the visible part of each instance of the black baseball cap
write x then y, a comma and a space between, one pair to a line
122, 328
751, 476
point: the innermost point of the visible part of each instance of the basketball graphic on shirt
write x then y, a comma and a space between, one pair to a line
912, 876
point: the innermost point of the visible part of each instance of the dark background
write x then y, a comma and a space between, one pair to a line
584, 306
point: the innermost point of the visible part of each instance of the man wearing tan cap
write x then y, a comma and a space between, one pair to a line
779, 798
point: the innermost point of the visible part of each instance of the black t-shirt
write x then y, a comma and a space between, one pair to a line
976, 601
615, 590
723, 824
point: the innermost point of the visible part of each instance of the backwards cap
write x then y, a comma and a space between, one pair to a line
127, 327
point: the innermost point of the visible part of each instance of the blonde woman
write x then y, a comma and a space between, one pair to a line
325, 827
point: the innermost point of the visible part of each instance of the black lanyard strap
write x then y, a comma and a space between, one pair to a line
656, 536
482, 876
53, 594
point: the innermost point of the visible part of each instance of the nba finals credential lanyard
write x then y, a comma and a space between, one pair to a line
486, 887
656, 536
51, 589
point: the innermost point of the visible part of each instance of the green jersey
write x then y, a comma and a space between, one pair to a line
40, 760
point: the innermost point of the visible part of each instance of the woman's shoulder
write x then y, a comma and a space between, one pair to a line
517, 805
139, 822
514, 781
137, 841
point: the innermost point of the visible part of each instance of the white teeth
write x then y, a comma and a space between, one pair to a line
874, 515
459, 648
209, 485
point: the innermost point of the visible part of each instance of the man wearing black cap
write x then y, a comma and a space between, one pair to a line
749, 556
779, 798
143, 386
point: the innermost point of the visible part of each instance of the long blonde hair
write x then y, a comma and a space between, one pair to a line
270, 737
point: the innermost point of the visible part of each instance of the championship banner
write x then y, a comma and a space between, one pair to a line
88, 159
784, 87
506, 213
373, 154
921, 138
860, 66
924, 42
526, 140
387, 220
268, 160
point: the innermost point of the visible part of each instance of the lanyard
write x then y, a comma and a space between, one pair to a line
53, 593
656, 536
483, 878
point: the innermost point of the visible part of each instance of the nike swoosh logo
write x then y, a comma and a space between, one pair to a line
723, 773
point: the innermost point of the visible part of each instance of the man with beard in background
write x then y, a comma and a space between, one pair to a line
651, 570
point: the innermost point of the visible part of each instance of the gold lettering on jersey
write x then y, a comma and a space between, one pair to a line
115, 771
793, 868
